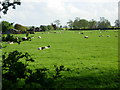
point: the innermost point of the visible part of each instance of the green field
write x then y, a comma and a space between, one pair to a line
93, 61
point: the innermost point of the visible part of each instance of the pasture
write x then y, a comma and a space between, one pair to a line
93, 61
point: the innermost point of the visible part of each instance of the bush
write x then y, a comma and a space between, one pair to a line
11, 38
15, 39
43, 28
16, 73
13, 69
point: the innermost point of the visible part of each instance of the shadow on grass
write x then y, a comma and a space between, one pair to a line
106, 80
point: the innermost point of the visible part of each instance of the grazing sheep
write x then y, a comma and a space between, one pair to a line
100, 35
108, 35
10, 42
24, 38
85, 36
39, 37
32, 37
45, 47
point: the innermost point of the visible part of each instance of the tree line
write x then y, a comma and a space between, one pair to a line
77, 23
92, 24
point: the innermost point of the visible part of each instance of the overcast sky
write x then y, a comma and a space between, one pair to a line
43, 12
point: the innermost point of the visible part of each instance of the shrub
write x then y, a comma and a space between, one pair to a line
16, 73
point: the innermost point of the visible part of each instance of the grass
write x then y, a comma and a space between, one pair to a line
93, 61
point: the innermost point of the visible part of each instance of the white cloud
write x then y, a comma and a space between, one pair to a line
32, 0
36, 12
92, 1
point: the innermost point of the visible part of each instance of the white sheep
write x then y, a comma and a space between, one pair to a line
85, 36
24, 38
39, 37
32, 37
39, 48
108, 35
42, 48
10, 42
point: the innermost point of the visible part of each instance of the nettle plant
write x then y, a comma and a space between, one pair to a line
15, 67
12, 66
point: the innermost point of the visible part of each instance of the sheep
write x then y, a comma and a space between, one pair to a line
85, 36
82, 33
39, 37
24, 38
45, 47
10, 42
32, 37
100, 35
108, 35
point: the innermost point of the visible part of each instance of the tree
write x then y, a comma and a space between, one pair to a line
6, 26
43, 28
103, 23
50, 27
54, 26
78, 23
92, 24
117, 23
83, 23
20, 27
57, 22
70, 23
6, 4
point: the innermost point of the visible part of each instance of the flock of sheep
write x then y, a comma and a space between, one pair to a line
47, 47
98, 36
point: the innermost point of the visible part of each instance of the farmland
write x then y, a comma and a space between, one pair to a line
93, 61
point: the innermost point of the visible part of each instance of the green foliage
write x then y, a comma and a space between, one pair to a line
12, 68
83, 23
6, 4
20, 27
57, 22
46, 28
103, 23
117, 23
16, 70
15, 39
92, 24
58, 71
11, 38
50, 27
6, 26
43, 28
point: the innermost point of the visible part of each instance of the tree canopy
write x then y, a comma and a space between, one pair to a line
6, 26
83, 23
6, 4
